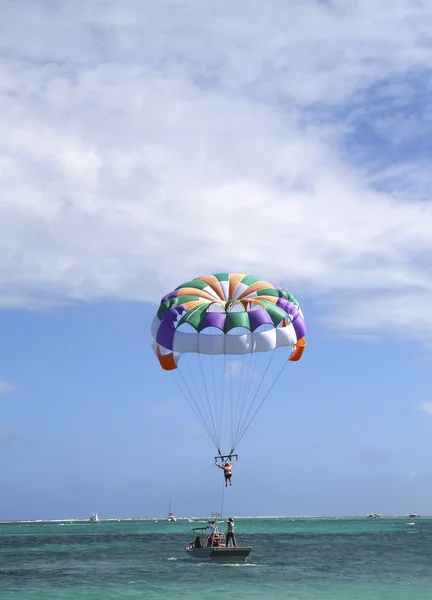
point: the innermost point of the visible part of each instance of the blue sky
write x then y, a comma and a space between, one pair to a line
142, 146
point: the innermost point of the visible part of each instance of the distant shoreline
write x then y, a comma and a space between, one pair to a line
206, 518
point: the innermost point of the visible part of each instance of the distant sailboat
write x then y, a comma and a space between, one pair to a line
94, 518
171, 516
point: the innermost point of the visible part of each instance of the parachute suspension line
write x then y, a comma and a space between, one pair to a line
192, 378
195, 407
198, 403
251, 403
238, 398
246, 392
222, 398
199, 394
190, 399
222, 498
265, 396
214, 394
193, 404
216, 432
241, 425
212, 435
231, 392
252, 371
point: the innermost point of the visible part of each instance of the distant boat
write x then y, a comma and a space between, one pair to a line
413, 515
373, 516
170, 516
94, 518
214, 516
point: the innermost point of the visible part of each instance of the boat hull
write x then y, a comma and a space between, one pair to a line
236, 554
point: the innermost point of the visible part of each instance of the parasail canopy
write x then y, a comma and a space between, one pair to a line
227, 329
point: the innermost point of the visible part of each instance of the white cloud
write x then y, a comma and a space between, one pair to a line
141, 146
426, 407
5, 387
232, 368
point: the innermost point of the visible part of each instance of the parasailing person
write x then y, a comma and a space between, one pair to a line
227, 467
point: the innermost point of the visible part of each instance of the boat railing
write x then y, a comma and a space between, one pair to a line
202, 529
211, 535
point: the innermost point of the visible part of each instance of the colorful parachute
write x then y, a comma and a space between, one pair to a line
222, 326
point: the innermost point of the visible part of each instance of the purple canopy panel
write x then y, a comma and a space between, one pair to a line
259, 317
213, 319
172, 314
299, 326
169, 296
179, 310
166, 330
287, 306
165, 335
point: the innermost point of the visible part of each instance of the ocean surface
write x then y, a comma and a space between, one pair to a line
293, 558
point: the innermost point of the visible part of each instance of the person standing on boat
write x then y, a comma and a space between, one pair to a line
230, 533
227, 468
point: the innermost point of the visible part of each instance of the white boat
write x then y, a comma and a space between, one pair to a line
170, 516
94, 518
215, 549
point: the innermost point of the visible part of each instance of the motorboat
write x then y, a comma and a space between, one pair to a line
94, 518
214, 548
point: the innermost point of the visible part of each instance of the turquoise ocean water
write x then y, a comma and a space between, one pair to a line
295, 559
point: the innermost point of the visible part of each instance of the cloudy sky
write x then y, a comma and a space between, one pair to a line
145, 143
